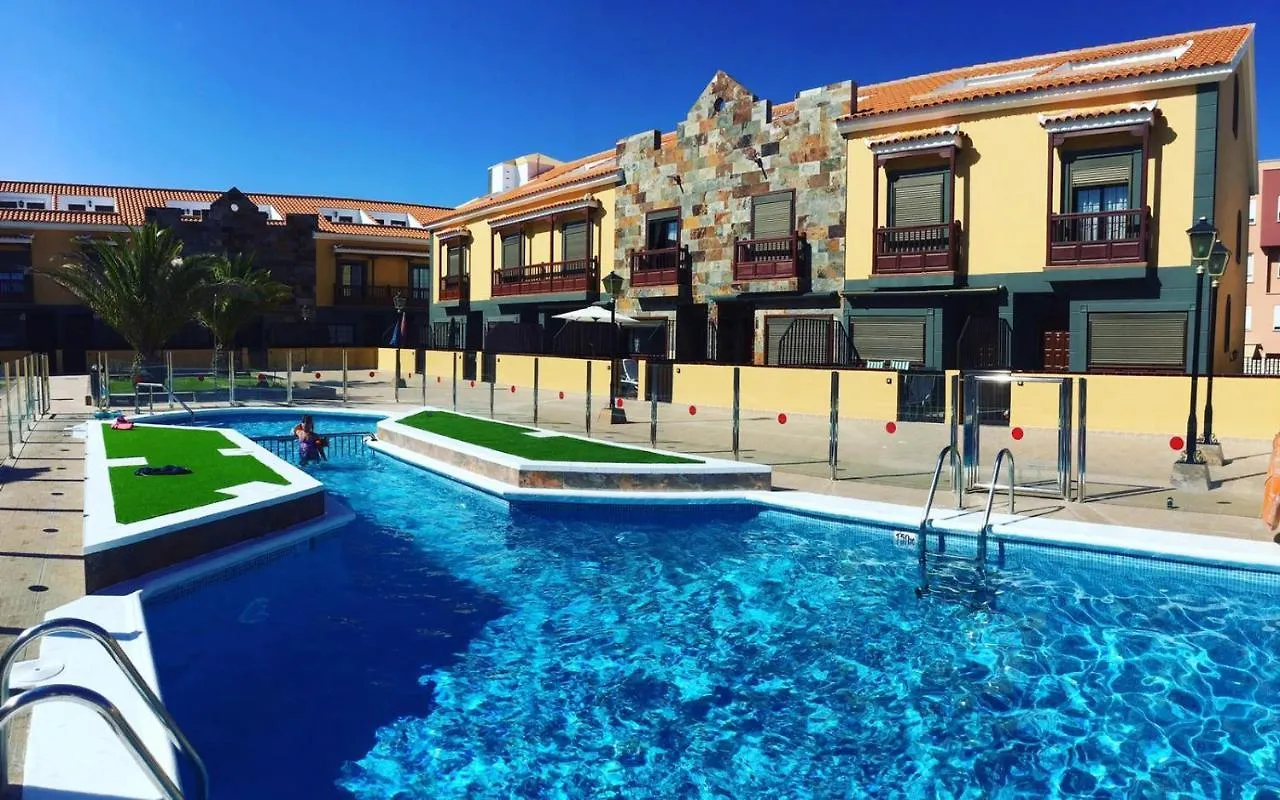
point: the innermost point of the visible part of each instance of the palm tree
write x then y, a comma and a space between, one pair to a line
241, 293
139, 283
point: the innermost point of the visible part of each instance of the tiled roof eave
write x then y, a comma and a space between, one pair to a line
479, 212
950, 109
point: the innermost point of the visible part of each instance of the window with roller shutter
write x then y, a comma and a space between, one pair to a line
511, 251
1138, 340
917, 199
454, 261
888, 339
772, 216
574, 241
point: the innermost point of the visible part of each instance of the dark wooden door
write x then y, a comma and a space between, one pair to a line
1057, 351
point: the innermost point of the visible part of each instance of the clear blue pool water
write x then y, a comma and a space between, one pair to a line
448, 645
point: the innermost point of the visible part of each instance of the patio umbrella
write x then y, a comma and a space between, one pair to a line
595, 314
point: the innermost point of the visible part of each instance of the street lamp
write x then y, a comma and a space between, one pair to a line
1202, 235
1216, 267
308, 312
399, 301
613, 285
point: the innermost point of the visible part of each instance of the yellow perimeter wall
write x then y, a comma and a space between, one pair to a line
1244, 407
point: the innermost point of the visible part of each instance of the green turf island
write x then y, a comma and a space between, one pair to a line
193, 384
138, 498
515, 440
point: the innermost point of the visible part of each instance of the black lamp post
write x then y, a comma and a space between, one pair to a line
308, 312
1216, 267
613, 285
399, 301
1202, 235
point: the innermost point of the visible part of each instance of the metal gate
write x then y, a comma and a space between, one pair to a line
1057, 450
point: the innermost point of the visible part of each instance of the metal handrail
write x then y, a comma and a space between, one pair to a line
109, 714
102, 637
922, 549
991, 499
172, 398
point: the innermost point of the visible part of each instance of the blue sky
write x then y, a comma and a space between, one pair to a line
412, 101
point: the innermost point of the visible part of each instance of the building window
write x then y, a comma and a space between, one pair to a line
1239, 235
1275, 318
105, 209
352, 273
512, 251
342, 334
35, 205
1248, 270
1103, 184
917, 199
772, 216
662, 229
1253, 210
8, 203
76, 207
573, 241
1248, 318
420, 280
453, 261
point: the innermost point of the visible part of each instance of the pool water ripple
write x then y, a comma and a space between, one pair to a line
720, 652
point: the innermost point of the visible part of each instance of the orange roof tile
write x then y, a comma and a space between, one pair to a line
914, 136
563, 176
1074, 114
1209, 48
132, 203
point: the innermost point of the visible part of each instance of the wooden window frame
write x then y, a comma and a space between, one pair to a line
891, 177
648, 218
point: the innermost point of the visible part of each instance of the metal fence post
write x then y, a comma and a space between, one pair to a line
106, 381
737, 393
168, 377
8, 408
493, 383
424, 378
48, 398
26, 384
653, 405
589, 398
956, 477
833, 444
455, 381
1082, 404
344, 376
288, 377
231, 376
535, 392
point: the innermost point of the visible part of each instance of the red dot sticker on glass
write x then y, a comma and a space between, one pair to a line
513, 390
201, 378
619, 401
782, 419
693, 410
1017, 434
1176, 443
317, 374
562, 395
473, 384
261, 377
370, 373
891, 427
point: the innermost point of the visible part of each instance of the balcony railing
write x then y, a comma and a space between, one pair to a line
766, 259
16, 287
918, 248
378, 294
454, 287
578, 275
662, 266
1100, 237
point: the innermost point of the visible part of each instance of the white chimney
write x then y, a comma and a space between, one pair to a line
503, 177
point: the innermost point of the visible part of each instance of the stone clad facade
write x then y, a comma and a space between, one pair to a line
733, 146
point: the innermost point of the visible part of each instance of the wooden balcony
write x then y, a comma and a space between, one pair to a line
16, 287
379, 295
454, 287
1102, 237
918, 248
579, 275
766, 259
658, 267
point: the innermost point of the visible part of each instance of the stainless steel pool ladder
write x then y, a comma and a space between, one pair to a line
105, 709
137, 406
980, 558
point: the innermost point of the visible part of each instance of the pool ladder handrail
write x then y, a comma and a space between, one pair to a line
88, 698
922, 549
137, 408
101, 636
991, 499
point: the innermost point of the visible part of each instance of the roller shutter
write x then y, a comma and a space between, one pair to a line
1143, 340
575, 241
889, 339
771, 216
918, 199
510, 251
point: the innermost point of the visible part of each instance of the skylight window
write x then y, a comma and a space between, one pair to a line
98, 205
191, 209
394, 219
986, 81
26, 202
1128, 60
271, 212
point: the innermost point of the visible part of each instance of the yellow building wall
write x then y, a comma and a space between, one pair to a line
1000, 194
1231, 206
485, 249
50, 249
383, 270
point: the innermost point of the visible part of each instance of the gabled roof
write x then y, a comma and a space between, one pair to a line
1219, 47
565, 176
132, 203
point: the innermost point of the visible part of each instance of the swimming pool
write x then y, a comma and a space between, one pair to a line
447, 644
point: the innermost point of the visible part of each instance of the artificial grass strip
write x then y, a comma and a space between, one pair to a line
139, 497
193, 384
515, 441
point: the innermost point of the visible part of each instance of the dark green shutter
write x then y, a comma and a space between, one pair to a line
511, 251
771, 216
575, 241
889, 339
455, 261
1102, 170
774, 329
918, 199
1142, 340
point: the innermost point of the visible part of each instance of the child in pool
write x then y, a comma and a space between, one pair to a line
310, 446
